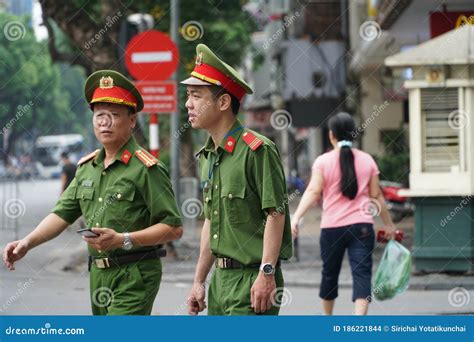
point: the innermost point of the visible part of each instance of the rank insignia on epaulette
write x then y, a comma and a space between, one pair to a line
230, 144
146, 158
251, 140
88, 157
125, 157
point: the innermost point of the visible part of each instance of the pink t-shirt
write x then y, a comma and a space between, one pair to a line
338, 210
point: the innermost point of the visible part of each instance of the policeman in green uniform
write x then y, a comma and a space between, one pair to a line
126, 198
247, 228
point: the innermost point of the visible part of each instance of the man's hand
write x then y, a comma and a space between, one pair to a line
196, 301
108, 239
261, 293
14, 251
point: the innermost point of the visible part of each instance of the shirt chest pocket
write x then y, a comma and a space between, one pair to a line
85, 193
236, 209
120, 194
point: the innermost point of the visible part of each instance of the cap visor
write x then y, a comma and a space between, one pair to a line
195, 81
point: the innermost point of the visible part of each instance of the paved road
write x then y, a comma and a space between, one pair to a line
39, 286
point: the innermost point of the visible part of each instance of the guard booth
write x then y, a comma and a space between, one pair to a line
441, 112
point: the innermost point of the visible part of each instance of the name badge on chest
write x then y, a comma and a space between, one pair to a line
87, 183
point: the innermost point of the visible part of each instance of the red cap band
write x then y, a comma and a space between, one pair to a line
115, 95
225, 81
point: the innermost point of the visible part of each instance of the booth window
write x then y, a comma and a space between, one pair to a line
442, 130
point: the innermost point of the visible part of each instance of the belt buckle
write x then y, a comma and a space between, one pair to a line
222, 262
102, 263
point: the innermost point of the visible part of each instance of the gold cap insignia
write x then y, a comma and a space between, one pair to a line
106, 82
199, 59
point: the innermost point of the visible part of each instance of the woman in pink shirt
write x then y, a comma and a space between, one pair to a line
347, 179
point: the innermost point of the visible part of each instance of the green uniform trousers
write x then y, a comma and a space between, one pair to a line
229, 292
129, 289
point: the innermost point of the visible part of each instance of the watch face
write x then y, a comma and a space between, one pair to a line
268, 269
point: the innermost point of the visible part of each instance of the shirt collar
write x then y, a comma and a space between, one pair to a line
123, 155
227, 144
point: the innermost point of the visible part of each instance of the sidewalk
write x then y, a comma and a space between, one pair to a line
307, 271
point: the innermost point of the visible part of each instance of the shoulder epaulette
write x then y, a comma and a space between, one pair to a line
88, 157
146, 158
251, 140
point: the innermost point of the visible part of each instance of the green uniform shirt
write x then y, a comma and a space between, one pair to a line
239, 185
126, 196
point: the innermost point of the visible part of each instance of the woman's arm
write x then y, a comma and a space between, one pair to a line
377, 195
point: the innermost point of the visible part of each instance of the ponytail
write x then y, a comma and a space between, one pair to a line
348, 185
342, 126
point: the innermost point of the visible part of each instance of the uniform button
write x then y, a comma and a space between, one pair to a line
100, 199
119, 196
215, 212
217, 163
215, 236
103, 173
207, 199
217, 187
97, 224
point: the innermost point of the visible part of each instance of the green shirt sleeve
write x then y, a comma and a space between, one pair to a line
269, 178
159, 196
68, 207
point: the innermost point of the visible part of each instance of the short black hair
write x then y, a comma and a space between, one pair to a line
131, 110
218, 91
64, 155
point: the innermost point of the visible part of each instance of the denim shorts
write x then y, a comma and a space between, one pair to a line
359, 240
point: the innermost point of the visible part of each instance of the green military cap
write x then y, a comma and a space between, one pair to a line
112, 87
211, 70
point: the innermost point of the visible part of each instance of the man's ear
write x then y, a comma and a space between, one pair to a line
133, 120
224, 102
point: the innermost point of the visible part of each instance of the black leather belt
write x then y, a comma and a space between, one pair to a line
231, 263
126, 258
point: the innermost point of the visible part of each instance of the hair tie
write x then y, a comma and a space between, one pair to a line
344, 143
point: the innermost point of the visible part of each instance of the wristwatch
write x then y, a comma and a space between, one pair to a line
127, 243
267, 269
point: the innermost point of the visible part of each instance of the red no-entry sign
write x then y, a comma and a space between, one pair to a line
151, 56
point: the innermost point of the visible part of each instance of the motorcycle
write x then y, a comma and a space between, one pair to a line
398, 206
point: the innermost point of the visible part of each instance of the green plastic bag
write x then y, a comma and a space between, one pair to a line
393, 274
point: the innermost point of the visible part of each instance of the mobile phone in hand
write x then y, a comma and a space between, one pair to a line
87, 232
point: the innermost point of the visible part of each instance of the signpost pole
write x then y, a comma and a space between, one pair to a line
154, 135
175, 116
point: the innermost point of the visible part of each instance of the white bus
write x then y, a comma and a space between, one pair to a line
48, 149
